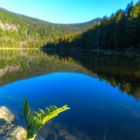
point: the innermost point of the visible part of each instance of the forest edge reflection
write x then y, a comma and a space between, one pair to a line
118, 69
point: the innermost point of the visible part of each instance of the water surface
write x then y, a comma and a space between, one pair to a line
92, 86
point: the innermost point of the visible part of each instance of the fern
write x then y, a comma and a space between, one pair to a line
36, 120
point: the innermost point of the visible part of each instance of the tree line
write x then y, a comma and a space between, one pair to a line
120, 32
32, 32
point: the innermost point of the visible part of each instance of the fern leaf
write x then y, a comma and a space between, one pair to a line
36, 120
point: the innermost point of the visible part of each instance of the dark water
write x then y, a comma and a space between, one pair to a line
103, 93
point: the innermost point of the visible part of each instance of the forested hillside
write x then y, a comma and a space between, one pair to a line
21, 31
120, 32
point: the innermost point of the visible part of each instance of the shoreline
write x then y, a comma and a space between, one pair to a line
20, 48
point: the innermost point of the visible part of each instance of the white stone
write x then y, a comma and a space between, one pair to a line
19, 134
6, 114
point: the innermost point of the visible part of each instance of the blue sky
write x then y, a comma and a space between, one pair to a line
65, 11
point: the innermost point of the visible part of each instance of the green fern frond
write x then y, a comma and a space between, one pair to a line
36, 120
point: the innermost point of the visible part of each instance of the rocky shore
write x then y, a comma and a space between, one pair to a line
52, 131
8, 130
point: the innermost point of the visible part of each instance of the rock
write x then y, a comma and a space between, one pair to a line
63, 132
57, 125
40, 138
8, 69
18, 134
8, 27
5, 127
9, 131
70, 137
6, 114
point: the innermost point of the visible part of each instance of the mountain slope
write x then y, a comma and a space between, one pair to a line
22, 31
119, 32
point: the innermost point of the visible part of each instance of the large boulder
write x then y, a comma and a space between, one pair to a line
19, 133
9, 131
6, 114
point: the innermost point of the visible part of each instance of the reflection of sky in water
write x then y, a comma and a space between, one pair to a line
98, 111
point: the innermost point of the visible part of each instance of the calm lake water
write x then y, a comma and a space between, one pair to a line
102, 90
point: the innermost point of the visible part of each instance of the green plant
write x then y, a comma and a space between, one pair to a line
36, 120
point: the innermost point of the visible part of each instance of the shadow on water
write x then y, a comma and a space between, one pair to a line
21, 64
118, 69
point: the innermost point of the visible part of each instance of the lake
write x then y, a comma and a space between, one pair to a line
103, 91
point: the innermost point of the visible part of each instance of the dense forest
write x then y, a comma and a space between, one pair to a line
22, 31
120, 32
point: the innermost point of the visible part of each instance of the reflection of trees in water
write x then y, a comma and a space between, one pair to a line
130, 87
19, 64
119, 70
